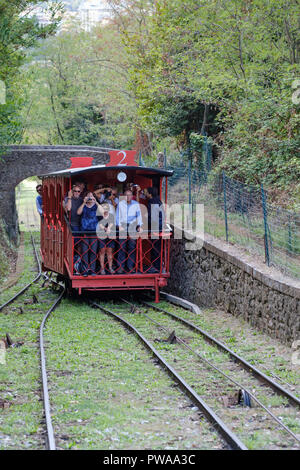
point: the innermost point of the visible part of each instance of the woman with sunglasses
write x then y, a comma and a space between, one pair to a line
71, 204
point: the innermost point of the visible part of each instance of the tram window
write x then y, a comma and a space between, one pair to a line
58, 201
52, 201
46, 201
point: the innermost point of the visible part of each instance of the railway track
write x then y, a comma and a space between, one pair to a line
267, 390
50, 442
145, 318
230, 438
227, 439
50, 439
8, 303
250, 368
27, 286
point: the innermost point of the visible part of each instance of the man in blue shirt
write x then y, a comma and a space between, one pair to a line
39, 199
129, 220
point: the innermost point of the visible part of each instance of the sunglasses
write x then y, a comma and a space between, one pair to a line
76, 191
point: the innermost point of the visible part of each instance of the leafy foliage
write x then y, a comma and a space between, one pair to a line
226, 68
79, 90
163, 72
19, 31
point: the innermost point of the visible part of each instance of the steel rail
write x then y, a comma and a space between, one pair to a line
12, 299
181, 341
232, 440
45, 393
243, 362
46, 401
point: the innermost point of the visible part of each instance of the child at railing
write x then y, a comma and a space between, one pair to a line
106, 231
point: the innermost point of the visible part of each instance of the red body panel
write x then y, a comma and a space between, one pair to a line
57, 240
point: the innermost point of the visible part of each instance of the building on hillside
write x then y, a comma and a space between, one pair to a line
92, 12
88, 13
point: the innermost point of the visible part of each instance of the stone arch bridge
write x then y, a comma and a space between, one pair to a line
19, 162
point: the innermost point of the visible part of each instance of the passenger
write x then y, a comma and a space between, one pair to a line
89, 211
98, 191
156, 223
140, 195
111, 197
101, 192
129, 187
82, 187
39, 199
129, 221
136, 191
106, 231
71, 205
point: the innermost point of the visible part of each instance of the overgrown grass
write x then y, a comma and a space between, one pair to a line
107, 393
7, 253
21, 423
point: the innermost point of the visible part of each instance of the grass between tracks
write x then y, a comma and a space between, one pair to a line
105, 389
107, 392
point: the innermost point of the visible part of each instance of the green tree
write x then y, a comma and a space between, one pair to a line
226, 67
79, 92
19, 31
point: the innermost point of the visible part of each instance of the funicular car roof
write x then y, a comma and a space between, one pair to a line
140, 170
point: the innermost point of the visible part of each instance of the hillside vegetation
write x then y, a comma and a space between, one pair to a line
163, 74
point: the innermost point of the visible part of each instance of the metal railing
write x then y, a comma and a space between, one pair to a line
90, 255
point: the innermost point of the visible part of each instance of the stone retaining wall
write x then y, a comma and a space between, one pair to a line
217, 276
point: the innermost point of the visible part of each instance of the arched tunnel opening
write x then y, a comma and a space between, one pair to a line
25, 198
19, 162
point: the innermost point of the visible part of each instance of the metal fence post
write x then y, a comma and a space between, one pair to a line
225, 204
190, 189
264, 206
290, 245
164, 187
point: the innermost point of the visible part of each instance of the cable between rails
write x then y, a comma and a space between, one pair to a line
249, 367
181, 341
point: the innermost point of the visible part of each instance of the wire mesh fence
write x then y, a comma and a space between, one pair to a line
238, 213
242, 215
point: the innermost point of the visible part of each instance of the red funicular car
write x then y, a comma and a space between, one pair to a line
140, 260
